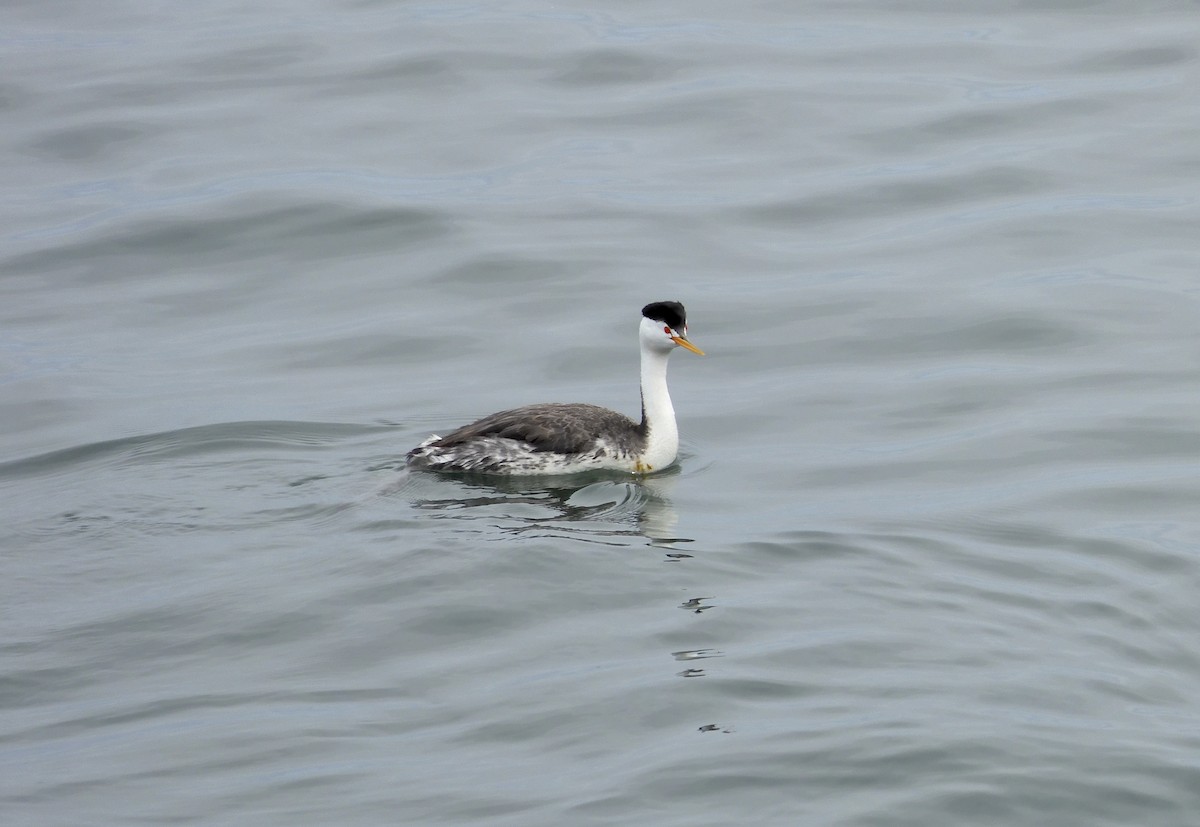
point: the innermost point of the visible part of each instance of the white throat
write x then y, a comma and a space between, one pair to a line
662, 434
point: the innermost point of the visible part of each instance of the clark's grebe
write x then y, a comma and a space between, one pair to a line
562, 438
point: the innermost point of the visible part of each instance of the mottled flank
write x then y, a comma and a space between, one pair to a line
537, 439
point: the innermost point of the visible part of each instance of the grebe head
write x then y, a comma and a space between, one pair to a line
664, 328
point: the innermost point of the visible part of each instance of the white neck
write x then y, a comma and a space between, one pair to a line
658, 414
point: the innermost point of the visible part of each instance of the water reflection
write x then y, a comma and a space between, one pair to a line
697, 605
591, 509
588, 508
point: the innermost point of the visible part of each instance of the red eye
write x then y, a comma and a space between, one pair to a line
667, 329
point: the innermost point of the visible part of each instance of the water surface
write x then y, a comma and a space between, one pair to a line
929, 555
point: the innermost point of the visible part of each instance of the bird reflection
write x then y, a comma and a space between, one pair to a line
607, 510
696, 604
590, 508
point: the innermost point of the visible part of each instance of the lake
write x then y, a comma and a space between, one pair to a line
931, 551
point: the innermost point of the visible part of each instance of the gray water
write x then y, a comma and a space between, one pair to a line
930, 555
